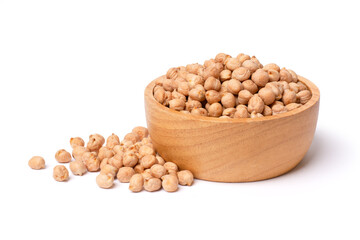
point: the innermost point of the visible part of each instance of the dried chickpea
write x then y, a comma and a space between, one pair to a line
260, 77
244, 96
215, 110
182, 73
283, 85
243, 57
91, 162
191, 104
304, 96
139, 168
294, 86
241, 113
255, 60
225, 75
133, 137
171, 167
105, 180
267, 95
146, 150
256, 104
159, 81
289, 96
168, 97
147, 161
292, 106
142, 132
301, 86
267, 111
105, 152
199, 112
186, 178
184, 88
234, 86
159, 95
62, 156
193, 68
228, 100
160, 160
277, 109
147, 174
274, 86
252, 66
271, 66
212, 96
136, 183
194, 80
169, 85
197, 94
172, 73
241, 74
60, 173
116, 161
157, 170
285, 75
212, 84
109, 169
36, 162
170, 183
293, 75
250, 86
130, 159
152, 184
77, 167
77, 141
255, 115
232, 63
112, 141
177, 104
95, 142
124, 174
213, 70
274, 76
229, 112
221, 57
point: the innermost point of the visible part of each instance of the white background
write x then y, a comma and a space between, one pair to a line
71, 68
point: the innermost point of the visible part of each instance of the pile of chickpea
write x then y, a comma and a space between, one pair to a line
133, 160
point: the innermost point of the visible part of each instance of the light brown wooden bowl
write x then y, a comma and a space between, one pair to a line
233, 150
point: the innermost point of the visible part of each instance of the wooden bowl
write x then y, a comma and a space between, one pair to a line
233, 150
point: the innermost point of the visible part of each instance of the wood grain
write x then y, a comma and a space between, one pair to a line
233, 150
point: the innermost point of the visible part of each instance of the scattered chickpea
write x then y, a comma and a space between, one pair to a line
170, 166
116, 160
77, 167
139, 168
109, 169
148, 160
77, 141
170, 183
146, 150
136, 183
91, 161
158, 170
36, 162
132, 137
152, 184
185, 177
147, 174
60, 173
124, 174
95, 142
112, 141
160, 160
62, 156
130, 159
105, 180
105, 152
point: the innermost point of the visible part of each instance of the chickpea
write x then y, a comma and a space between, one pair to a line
104, 162
158, 170
139, 168
168, 98
109, 169
267, 111
225, 75
293, 75
274, 86
292, 106
244, 96
256, 104
126, 144
232, 64
260, 77
159, 95
136, 183
267, 95
255, 60
172, 73
241, 74
132, 137
304, 96
229, 112
112, 141
105, 152
171, 167
153, 184
197, 94
252, 66
293, 86
212, 84
228, 100
77, 167
250, 86
215, 110
186, 178
194, 80
124, 174
277, 109
274, 75
105, 180
177, 104
234, 86
243, 57
60, 173
159, 81
255, 115
146, 150
116, 161
213, 70
160, 160
147, 174
182, 73
241, 112
289, 96
271, 66
184, 88
130, 159
62, 156
148, 160
212, 96
169, 84
91, 162
221, 57
95, 142
36, 162
170, 183
199, 112
301, 86
193, 68
191, 104
77, 141
285, 75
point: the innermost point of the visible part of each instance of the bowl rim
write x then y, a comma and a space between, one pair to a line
313, 100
